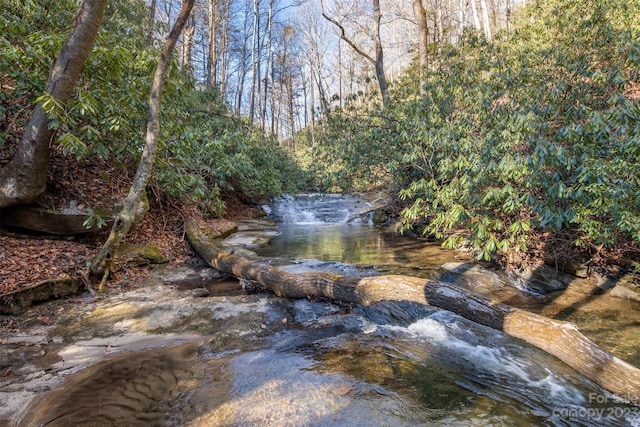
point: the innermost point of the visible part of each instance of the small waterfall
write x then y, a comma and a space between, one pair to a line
317, 209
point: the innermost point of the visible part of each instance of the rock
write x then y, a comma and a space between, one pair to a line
199, 293
567, 266
252, 239
186, 277
627, 287
544, 279
624, 293
16, 302
382, 217
139, 255
255, 225
474, 277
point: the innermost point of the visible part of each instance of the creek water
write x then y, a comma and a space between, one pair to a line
256, 359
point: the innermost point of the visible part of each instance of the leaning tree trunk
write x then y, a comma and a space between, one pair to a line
560, 339
100, 264
24, 179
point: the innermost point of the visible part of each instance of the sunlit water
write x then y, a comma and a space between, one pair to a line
315, 363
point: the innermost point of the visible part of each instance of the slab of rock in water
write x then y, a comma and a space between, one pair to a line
627, 287
544, 279
255, 224
188, 277
252, 239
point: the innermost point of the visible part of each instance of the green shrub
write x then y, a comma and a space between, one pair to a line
539, 129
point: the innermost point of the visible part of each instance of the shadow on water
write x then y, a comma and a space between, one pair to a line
601, 308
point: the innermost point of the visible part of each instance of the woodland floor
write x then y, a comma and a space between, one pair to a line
30, 258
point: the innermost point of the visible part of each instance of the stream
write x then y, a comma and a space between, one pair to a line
223, 355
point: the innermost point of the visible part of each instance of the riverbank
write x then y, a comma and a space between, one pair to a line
39, 266
29, 260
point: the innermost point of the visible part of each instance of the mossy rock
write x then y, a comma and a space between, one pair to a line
382, 217
147, 254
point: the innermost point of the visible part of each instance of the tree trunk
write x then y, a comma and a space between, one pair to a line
379, 62
485, 19
224, 49
268, 66
476, 19
212, 51
560, 339
23, 180
423, 43
187, 45
255, 60
462, 18
508, 16
242, 72
100, 264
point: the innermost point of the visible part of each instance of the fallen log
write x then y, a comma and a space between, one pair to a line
560, 339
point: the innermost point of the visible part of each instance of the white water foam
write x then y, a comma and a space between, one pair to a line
497, 362
316, 208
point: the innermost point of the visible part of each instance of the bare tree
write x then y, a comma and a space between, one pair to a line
485, 19
213, 18
224, 46
255, 59
311, 28
263, 113
378, 59
101, 263
508, 15
186, 51
423, 41
24, 179
462, 16
243, 55
474, 12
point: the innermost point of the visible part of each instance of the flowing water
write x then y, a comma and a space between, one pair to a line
261, 360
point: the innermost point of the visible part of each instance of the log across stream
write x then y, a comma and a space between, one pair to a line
560, 339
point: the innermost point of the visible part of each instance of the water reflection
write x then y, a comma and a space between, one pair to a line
361, 244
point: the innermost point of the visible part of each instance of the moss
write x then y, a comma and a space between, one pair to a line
129, 252
226, 232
